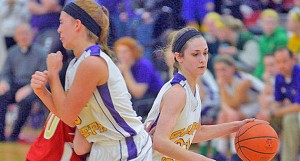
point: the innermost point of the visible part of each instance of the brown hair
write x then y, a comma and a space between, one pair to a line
101, 16
132, 44
176, 36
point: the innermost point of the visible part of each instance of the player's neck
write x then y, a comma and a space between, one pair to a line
192, 80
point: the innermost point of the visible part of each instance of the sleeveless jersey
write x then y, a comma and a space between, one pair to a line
108, 115
188, 120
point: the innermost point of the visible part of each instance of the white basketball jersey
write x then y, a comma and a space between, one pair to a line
188, 120
108, 115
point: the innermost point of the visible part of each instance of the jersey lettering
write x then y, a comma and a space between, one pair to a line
92, 129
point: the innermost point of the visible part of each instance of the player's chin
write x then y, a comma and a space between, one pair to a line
201, 70
66, 46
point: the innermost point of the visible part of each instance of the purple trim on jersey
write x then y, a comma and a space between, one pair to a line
177, 79
95, 50
155, 122
106, 97
131, 148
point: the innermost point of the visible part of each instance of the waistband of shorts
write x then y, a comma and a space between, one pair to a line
122, 140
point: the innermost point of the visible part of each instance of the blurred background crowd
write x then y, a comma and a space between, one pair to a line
254, 48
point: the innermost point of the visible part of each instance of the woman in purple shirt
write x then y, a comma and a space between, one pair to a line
142, 79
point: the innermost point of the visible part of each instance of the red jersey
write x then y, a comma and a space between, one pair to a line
55, 142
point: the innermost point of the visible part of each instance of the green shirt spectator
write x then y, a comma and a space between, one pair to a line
273, 38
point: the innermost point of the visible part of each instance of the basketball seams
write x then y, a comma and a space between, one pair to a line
242, 141
239, 144
257, 137
250, 128
256, 151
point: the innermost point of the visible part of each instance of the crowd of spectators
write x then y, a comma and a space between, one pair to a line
254, 48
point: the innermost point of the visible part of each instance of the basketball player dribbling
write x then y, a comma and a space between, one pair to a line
177, 108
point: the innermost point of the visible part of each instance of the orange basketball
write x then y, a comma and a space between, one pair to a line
256, 141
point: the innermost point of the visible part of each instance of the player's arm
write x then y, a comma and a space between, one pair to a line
208, 132
169, 114
81, 145
281, 111
38, 84
239, 96
87, 78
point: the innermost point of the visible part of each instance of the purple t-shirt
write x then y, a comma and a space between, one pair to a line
48, 20
194, 10
289, 90
144, 72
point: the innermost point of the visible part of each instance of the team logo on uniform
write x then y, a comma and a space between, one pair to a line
283, 90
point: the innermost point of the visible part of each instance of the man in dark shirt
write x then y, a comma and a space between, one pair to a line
287, 106
23, 60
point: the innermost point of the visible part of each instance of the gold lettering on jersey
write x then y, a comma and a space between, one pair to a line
77, 121
189, 130
92, 129
179, 134
168, 159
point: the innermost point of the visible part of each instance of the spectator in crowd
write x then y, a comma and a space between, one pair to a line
293, 25
273, 37
3, 53
211, 23
45, 21
238, 43
193, 11
266, 98
239, 93
287, 105
23, 60
12, 13
142, 79
296, 6
232, 7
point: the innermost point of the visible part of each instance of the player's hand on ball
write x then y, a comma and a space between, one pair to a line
245, 121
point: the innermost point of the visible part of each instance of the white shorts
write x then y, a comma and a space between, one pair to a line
136, 148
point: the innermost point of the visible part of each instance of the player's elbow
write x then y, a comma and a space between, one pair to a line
157, 143
69, 122
79, 150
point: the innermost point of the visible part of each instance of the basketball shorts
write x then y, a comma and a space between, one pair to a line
136, 148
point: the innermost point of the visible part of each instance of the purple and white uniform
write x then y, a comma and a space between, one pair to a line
108, 119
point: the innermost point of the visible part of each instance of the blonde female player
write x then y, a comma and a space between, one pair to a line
96, 98
176, 110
